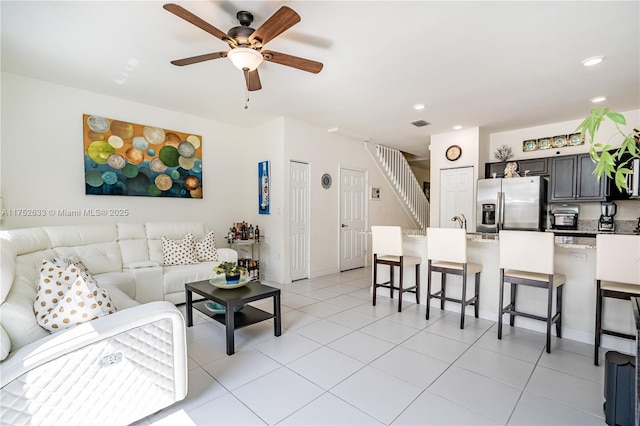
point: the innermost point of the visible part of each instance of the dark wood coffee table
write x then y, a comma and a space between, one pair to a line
231, 299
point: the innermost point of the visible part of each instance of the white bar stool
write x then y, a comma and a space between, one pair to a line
447, 254
527, 258
387, 249
617, 276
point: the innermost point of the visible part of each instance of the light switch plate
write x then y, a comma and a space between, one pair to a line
375, 193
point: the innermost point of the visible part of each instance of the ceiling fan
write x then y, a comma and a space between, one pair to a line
246, 43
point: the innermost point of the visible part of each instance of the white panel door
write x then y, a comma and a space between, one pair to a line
456, 196
299, 221
352, 219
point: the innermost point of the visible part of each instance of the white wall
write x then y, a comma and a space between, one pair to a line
43, 164
267, 144
422, 174
514, 138
469, 141
42, 168
328, 153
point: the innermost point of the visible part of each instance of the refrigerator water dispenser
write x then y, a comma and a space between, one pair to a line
488, 214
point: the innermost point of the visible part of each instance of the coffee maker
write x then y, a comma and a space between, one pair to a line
606, 223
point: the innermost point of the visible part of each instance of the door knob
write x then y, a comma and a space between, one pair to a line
344, 226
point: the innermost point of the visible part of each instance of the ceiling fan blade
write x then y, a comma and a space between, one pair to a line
278, 23
253, 80
183, 13
292, 61
199, 58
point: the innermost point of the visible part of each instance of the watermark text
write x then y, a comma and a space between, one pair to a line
31, 212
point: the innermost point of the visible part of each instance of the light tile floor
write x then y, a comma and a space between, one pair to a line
342, 361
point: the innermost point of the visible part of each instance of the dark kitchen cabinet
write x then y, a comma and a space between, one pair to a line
497, 168
612, 191
536, 167
572, 179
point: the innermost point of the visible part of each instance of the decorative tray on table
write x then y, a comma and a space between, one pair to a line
217, 308
221, 282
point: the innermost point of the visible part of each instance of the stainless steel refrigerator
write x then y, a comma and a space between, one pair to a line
512, 203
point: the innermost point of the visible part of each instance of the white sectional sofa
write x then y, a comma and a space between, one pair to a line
117, 368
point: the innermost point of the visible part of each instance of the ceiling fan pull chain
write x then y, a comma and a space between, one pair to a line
246, 102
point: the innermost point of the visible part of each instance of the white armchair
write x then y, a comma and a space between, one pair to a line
113, 370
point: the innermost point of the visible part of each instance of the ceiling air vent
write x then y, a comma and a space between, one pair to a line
420, 123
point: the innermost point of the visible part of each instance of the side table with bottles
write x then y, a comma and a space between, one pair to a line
248, 256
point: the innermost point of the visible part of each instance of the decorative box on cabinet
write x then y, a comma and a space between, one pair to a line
572, 179
536, 167
497, 168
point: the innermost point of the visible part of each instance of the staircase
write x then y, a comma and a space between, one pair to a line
407, 188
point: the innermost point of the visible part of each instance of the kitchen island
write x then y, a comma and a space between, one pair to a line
575, 258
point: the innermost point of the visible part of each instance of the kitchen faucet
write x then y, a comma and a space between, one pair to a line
462, 221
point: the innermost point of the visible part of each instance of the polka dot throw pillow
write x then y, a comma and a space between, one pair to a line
206, 249
67, 297
67, 261
51, 288
179, 252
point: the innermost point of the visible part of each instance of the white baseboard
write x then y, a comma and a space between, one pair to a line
323, 272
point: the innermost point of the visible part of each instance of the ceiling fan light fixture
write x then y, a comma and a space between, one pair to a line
245, 58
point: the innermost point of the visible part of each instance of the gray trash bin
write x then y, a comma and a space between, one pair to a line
619, 389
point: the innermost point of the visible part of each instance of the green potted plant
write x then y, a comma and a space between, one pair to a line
231, 271
607, 162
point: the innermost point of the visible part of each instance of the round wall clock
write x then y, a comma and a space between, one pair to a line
326, 181
453, 152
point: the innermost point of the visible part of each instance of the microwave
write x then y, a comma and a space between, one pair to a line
633, 184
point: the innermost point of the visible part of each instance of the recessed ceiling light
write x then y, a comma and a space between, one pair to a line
598, 99
594, 60
418, 106
458, 127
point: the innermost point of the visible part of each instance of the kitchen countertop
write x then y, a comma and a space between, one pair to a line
576, 242
572, 239
560, 241
590, 232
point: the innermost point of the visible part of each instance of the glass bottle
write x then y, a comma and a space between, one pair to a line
264, 187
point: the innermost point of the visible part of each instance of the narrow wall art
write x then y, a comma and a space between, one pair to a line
123, 158
263, 187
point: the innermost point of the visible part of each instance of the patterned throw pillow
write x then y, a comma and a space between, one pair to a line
206, 249
50, 288
64, 262
67, 297
179, 252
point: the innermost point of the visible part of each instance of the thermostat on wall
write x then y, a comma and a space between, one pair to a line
375, 193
